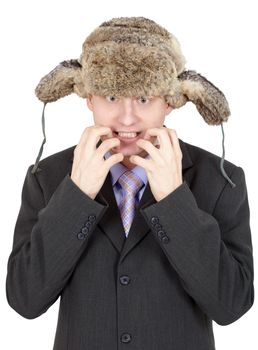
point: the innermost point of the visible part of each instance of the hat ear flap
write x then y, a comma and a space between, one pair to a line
63, 80
208, 99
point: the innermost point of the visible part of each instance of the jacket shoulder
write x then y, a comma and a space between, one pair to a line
206, 180
57, 161
203, 157
53, 169
206, 171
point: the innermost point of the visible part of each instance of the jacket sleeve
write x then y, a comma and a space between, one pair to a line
48, 241
212, 254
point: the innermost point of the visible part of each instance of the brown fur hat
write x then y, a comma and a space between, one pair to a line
130, 57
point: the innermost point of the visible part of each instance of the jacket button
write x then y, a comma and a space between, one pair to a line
92, 218
126, 338
157, 227
80, 235
161, 234
154, 220
165, 239
88, 224
85, 230
125, 280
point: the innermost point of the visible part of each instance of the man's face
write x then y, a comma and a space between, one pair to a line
129, 114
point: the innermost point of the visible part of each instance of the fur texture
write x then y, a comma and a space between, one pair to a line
134, 56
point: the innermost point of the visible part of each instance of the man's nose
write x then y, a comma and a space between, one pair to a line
128, 116
128, 105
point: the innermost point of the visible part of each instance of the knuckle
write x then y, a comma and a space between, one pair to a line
88, 129
111, 140
76, 150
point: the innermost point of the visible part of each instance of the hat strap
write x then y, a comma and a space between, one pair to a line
223, 158
44, 141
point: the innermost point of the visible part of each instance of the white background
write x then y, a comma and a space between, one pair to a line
218, 39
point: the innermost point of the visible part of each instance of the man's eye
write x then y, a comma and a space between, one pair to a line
111, 98
143, 99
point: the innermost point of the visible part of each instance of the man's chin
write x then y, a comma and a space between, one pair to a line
128, 154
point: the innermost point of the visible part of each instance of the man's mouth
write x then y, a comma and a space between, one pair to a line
130, 134
127, 136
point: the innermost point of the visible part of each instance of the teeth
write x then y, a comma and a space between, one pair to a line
127, 134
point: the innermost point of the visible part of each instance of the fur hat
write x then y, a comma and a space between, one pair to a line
132, 57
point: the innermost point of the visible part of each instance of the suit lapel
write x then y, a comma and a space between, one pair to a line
111, 222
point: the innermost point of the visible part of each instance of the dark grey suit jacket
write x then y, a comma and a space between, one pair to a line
187, 259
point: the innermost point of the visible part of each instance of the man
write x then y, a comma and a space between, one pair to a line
142, 236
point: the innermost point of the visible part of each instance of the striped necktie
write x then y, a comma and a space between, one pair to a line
131, 184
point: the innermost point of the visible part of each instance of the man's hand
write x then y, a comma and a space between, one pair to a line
164, 169
89, 166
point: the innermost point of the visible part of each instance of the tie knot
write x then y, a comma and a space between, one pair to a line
130, 182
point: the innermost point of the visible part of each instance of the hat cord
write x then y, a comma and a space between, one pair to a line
34, 169
223, 158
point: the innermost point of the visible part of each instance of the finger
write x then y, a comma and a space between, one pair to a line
91, 136
115, 158
144, 163
162, 137
109, 135
175, 143
101, 132
149, 148
107, 145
